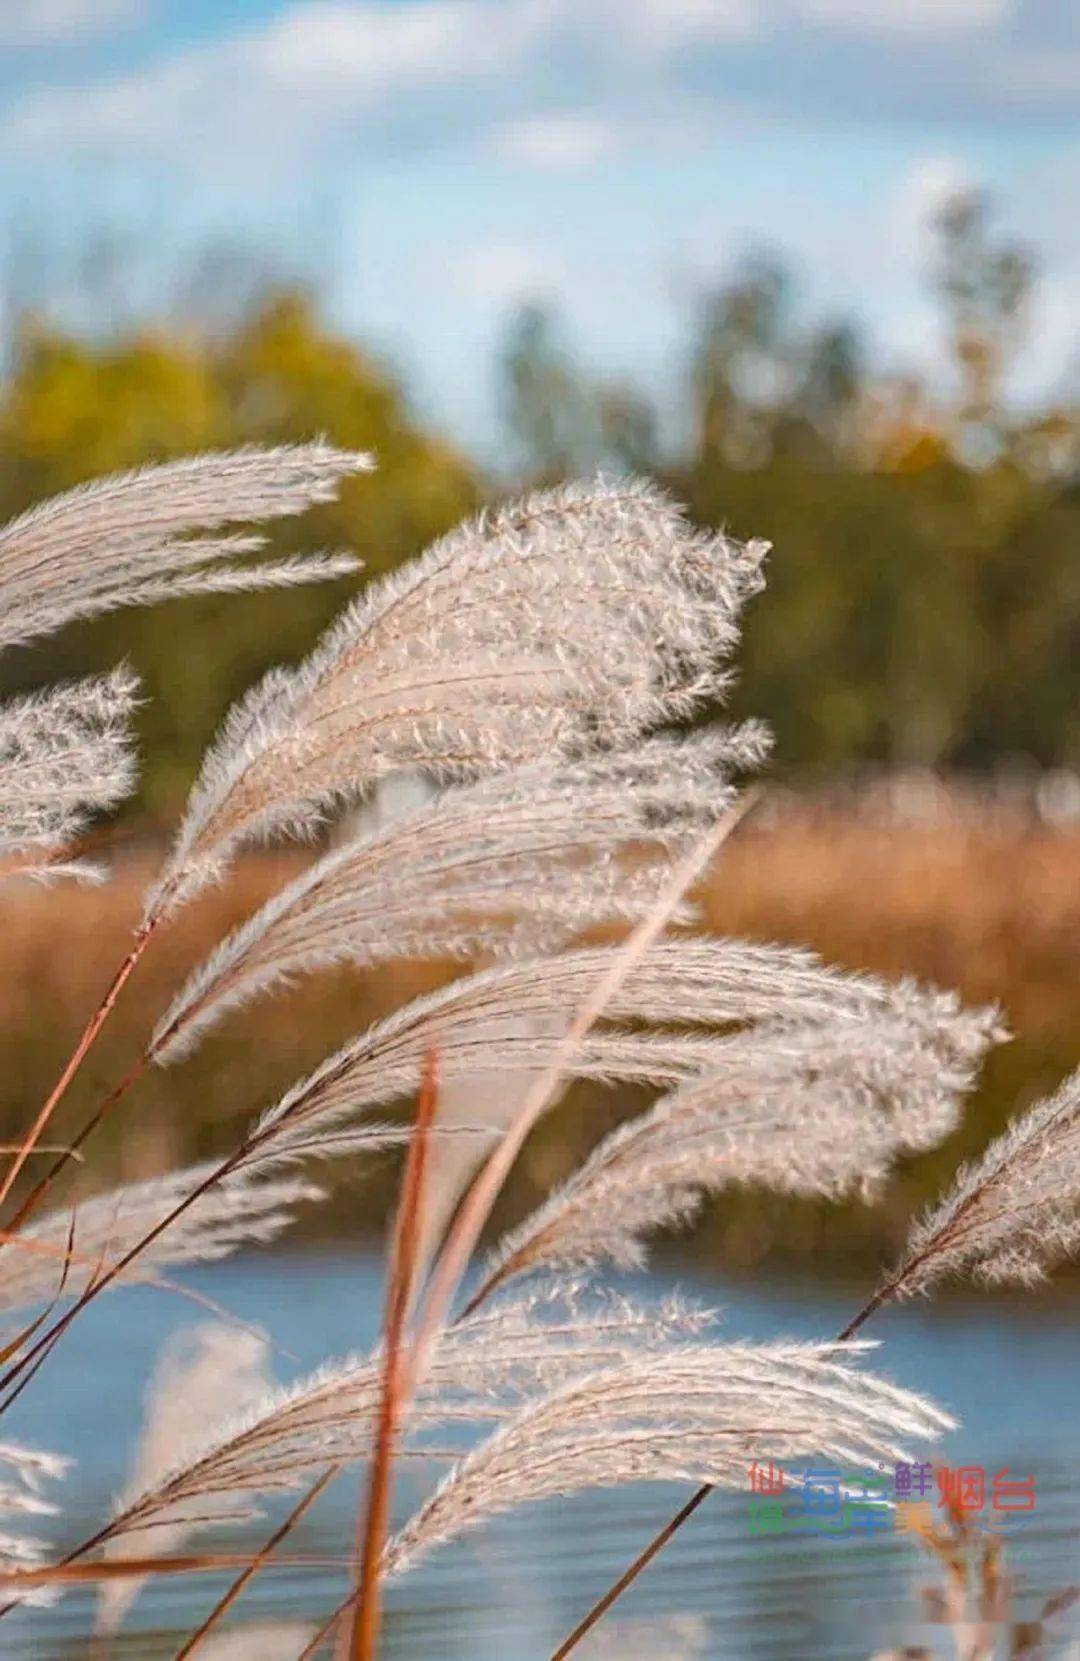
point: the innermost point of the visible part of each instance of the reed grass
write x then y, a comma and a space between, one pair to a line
530, 666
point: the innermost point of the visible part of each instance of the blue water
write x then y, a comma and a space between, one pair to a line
1009, 1370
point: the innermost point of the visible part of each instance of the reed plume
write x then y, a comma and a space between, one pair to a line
816, 1110
253, 1155
662, 1026
484, 1367
65, 754
518, 862
126, 540
69, 1248
1013, 1213
461, 663
26, 1472
1007, 1218
700, 1412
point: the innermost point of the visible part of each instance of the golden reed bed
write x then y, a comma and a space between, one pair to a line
987, 903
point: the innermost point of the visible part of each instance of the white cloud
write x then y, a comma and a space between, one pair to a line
394, 76
905, 16
554, 142
336, 46
552, 83
315, 67
666, 23
51, 22
498, 274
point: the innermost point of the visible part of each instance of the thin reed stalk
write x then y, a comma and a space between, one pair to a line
143, 935
629, 1575
245, 1155
372, 1519
326, 1631
476, 1206
641, 1562
186, 1563
244, 1579
33, 1358
27, 1206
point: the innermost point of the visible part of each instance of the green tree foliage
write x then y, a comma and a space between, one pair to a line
71, 410
923, 606
562, 422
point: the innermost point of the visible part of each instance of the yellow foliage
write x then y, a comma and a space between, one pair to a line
73, 410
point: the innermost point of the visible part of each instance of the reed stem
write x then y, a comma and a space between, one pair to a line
143, 935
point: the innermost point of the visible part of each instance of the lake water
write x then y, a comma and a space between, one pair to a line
1010, 1370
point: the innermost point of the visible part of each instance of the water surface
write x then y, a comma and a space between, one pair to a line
1009, 1370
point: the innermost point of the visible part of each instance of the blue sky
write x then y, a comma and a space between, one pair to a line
433, 162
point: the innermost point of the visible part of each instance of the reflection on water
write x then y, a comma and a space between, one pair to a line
1009, 1370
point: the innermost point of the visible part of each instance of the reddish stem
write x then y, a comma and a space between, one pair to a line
29, 1205
78, 1055
226, 1602
361, 1644
671, 1528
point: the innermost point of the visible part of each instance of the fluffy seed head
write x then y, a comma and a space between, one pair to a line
64, 754
803, 1109
462, 663
687, 1413
519, 861
126, 541
1012, 1214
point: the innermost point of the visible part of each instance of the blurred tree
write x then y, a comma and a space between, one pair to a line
924, 602
563, 421
72, 410
832, 380
550, 409
924, 598
985, 282
743, 371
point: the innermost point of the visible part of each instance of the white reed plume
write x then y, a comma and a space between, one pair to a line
203, 1372
692, 1413
125, 541
258, 1641
683, 990
69, 1248
521, 860
64, 754
579, 617
25, 1472
816, 1110
1012, 1214
484, 1368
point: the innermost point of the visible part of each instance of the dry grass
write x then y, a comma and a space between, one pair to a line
61, 948
989, 904
430, 671
992, 907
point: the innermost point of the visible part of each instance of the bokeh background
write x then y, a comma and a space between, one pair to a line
813, 264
